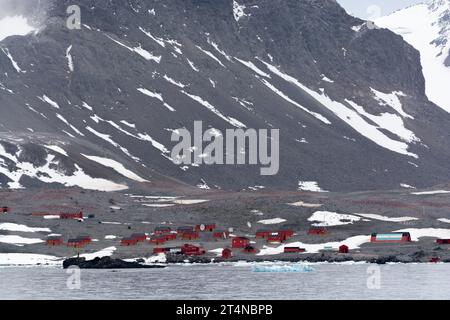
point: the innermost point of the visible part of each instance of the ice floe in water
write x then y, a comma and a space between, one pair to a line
283, 268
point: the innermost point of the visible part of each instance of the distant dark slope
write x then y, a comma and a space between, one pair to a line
144, 68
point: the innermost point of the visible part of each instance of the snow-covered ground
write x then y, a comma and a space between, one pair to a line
14, 26
427, 232
306, 205
18, 240
312, 186
272, 221
117, 166
352, 242
21, 228
384, 218
107, 252
327, 219
28, 259
430, 192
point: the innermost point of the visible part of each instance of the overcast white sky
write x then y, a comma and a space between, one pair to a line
375, 8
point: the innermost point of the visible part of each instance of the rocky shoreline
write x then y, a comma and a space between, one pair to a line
105, 263
171, 259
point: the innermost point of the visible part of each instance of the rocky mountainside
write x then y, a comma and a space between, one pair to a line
96, 107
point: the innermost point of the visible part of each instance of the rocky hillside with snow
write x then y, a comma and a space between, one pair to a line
96, 107
426, 27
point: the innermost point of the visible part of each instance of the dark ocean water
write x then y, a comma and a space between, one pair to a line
327, 281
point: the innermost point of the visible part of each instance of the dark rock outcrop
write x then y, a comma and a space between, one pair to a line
105, 263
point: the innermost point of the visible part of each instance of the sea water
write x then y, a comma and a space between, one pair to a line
231, 281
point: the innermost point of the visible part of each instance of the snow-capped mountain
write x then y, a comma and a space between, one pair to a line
97, 106
426, 27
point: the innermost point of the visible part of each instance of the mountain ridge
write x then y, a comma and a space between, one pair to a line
109, 90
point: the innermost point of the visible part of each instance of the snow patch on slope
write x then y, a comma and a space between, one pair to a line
14, 26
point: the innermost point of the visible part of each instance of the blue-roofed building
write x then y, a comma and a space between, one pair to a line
391, 237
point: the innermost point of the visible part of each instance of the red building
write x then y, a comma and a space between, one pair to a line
263, 234
85, 238
434, 259
293, 249
76, 243
169, 236
286, 233
249, 249
208, 227
182, 230
191, 250
5, 210
319, 231
221, 234
54, 241
227, 253
276, 237
162, 230
128, 242
443, 241
393, 237
158, 240
343, 249
191, 235
240, 242
160, 250
78, 215
140, 237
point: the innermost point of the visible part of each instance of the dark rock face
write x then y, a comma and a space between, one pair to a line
310, 40
105, 263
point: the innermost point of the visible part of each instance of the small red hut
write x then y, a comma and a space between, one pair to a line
85, 238
54, 241
159, 250
443, 241
318, 231
76, 243
158, 240
191, 250
249, 249
5, 210
275, 237
293, 249
65, 216
434, 259
140, 237
169, 236
128, 242
286, 233
343, 249
207, 227
182, 230
162, 230
221, 234
263, 234
227, 253
240, 242
190, 235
